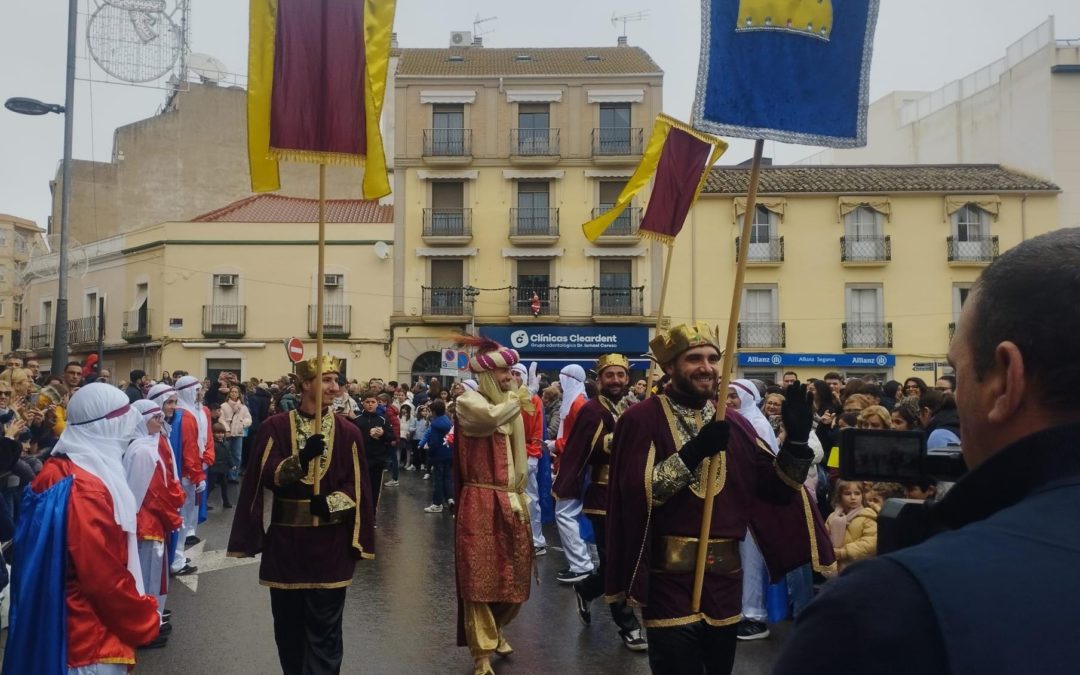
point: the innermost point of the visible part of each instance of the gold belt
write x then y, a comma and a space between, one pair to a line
679, 554
295, 513
601, 474
497, 488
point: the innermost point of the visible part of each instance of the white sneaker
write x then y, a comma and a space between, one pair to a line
410, 468
434, 508
427, 476
391, 483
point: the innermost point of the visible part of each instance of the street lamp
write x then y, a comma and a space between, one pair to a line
29, 106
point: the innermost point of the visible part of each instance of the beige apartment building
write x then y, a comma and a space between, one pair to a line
501, 155
226, 290
19, 239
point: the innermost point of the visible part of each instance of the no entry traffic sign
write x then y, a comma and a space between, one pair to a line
295, 348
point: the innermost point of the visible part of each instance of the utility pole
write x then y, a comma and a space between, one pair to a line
60, 334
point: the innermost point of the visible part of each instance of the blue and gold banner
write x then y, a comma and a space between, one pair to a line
794, 71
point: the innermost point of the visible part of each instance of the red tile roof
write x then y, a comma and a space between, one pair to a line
270, 208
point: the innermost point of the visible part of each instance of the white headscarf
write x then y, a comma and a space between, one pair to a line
187, 397
100, 421
471, 385
142, 455
160, 394
749, 397
572, 381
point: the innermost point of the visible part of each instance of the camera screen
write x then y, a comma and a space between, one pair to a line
888, 456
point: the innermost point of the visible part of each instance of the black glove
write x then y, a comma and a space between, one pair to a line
712, 438
319, 507
797, 413
313, 447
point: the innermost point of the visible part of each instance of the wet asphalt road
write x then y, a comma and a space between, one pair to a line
400, 611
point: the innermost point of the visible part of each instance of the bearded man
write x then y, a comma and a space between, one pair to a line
667, 449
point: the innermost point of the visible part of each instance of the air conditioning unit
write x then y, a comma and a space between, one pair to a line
224, 280
332, 280
460, 38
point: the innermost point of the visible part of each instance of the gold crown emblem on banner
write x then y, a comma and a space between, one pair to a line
805, 17
667, 345
309, 369
609, 360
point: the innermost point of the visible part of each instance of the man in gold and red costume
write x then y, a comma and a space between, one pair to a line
665, 450
316, 535
493, 541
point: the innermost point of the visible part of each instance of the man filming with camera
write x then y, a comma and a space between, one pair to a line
994, 589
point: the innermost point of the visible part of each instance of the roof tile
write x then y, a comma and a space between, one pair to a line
270, 208
876, 179
488, 62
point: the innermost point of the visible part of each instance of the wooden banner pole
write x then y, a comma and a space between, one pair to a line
319, 300
660, 313
725, 376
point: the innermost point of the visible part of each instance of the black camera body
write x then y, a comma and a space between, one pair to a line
883, 455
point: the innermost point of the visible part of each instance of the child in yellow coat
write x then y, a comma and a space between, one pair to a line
852, 524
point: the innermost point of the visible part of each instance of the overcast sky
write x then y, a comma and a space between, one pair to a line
920, 45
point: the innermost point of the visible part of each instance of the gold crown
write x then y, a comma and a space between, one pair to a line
805, 17
609, 360
667, 345
310, 369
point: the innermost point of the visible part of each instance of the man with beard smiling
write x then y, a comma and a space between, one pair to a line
666, 448
588, 448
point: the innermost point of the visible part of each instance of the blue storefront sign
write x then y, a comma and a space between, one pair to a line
556, 346
759, 360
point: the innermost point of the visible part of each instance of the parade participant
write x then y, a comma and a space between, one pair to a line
198, 453
492, 539
533, 420
318, 530
180, 443
77, 587
568, 510
158, 496
585, 458
667, 447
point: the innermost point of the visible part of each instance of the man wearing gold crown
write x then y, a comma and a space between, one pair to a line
588, 449
666, 448
493, 547
317, 529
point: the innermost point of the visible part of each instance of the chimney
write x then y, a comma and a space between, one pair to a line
393, 41
478, 41
622, 41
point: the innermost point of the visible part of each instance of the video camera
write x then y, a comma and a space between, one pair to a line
883, 455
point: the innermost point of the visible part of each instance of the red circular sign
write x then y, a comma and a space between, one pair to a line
295, 348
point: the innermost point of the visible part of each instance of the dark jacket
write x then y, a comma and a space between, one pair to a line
438, 448
259, 405
1011, 549
133, 393
376, 449
222, 458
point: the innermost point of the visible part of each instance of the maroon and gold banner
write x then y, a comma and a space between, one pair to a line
679, 157
316, 81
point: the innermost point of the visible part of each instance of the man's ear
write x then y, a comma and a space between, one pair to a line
1006, 383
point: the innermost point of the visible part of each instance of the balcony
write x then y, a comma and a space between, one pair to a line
623, 230
224, 321
41, 336
534, 226
534, 146
337, 321
83, 331
865, 250
449, 227
972, 250
448, 147
867, 335
621, 302
761, 335
617, 145
136, 325
521, 301
446, 302
769, 252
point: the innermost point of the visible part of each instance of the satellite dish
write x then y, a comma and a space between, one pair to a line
209, 69
134, 40
43, 258
382, 250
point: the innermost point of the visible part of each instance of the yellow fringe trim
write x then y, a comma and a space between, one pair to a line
314, 157
665, 239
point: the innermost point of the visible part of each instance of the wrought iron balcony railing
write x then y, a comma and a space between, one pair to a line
41, 336
136, 325
337, 320
865, 249
83, 331
863, 335
523, 303
446, 301
534, 222
447, 222
762, 335
224, 321
626, 225
628, 301
534, 142
447, 142
771, 251
973, 249
608, 141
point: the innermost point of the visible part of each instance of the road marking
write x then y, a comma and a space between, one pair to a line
210, 561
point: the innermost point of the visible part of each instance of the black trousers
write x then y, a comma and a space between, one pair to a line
593, 585
219, 480
692, 649
307, 629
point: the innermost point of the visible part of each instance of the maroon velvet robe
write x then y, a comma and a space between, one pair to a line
585, 453
305, 557
783, 518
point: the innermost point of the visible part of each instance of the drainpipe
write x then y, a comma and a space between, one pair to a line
1023, 217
